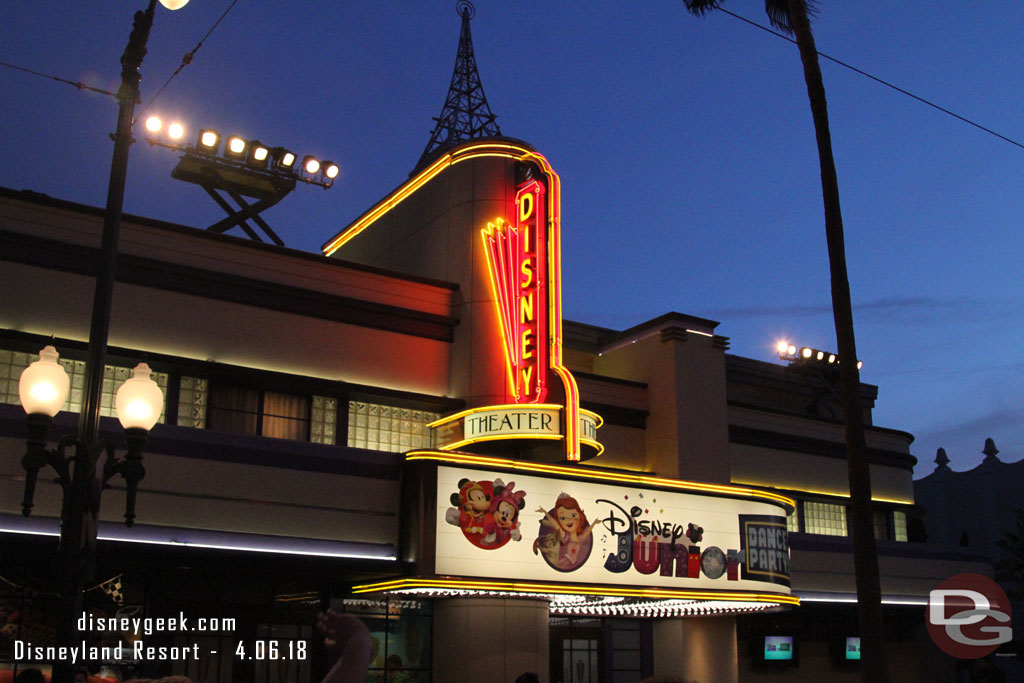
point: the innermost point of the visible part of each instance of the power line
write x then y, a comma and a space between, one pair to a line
187, 58
77, 84
876, 79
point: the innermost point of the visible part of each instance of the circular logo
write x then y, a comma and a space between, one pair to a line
969, 616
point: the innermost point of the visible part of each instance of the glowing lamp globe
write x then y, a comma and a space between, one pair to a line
173, 4
43, 387
139, 401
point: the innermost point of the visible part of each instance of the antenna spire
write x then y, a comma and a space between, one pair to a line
466, 114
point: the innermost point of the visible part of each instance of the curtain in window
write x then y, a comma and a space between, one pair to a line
233, 409
285, 416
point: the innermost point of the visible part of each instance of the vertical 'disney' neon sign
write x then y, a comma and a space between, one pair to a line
518, 268
524, 263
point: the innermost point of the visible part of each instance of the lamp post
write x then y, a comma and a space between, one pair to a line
77, 473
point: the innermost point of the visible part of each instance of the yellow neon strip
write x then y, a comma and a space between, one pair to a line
500, 437
485, 149
501, 406
593, 444
591, 413
563, 589
487, 235
619, 477
832, 494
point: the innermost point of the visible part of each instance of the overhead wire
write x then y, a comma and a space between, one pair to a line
876, 79
187, 58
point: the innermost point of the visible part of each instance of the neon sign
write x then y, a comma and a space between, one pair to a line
518, 267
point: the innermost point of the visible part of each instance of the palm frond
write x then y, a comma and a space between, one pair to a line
702, 7
778, 13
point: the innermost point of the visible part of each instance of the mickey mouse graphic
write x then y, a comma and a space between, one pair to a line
487, 512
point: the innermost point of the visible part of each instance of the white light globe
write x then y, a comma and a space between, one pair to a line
139, 401
173, 4
43, 387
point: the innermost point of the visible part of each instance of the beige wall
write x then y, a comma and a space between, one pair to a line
489, 639
697, 650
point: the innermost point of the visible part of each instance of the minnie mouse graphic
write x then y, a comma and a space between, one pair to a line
487, 512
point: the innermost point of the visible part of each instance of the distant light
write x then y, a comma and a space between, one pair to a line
782, 347
209, 140
259, 154
311, 165
791, 350
236, 146
806, 352
820, 355
331, 170
175, 131
154, 124
860, 364
173, 4
831, 358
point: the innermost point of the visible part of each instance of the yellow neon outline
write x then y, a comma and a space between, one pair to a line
583, 473
455, 445
483, 149
486, 234
499, 406
830, 494
554, 198
529, 587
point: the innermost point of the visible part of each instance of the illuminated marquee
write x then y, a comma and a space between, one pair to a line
518, 268
513, 525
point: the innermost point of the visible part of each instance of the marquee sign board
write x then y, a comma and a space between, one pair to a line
533, 528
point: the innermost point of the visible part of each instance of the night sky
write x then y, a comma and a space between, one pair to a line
685, 147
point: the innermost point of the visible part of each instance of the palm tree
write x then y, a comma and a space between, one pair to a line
792, 17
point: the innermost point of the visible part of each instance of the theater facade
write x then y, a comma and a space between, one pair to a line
406, 428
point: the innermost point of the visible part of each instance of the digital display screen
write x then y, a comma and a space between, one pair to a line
853, 648
778, 648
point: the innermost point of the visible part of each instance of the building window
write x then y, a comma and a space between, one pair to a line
192, 395
324, 420
880, 519
824, 518
388, 428
899, 520
227, 408
13, 362
793, 520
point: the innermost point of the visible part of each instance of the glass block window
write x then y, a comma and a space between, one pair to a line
324, 420
388, 428
899, 519
193, 397
13, 362
11, 365
793, 520
824, 518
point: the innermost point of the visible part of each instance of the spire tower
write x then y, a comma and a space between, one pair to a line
466, 114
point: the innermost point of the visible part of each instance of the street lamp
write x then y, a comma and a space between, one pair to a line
78, 472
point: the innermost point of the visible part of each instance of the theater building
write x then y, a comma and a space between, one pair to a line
405, 428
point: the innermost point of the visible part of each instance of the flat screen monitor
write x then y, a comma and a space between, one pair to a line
778, 648
852, 649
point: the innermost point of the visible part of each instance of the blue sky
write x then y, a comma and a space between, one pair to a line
685, 147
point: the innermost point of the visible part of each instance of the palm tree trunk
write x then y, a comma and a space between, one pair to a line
874, 666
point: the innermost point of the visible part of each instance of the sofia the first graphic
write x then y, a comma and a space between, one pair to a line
565, 539
487, 512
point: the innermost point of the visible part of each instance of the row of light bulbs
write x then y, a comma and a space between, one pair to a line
790, 352
251, 152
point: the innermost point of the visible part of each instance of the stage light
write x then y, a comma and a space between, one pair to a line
235, 148
154, 124
175, 131
310, 164
331, 170
831, 358
283, 158
259, 154
806, 352
209, 141
782, 347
